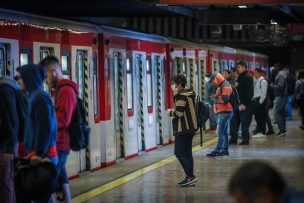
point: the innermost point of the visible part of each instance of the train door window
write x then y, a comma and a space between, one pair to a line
117, 65
184, 67
149, 81
46, 51
178, 65
223, 65
129, 83
25, 56
80, 72
231, 64
257, 65
95, 84
215, 65
2, 62
251, 65
65, 64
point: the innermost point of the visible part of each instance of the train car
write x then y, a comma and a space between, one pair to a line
123, 76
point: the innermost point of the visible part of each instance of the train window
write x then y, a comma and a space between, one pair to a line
116, 88
95, 84
80, 78
24, 59
257, 65
149, 82
129, 83
231, 64
224, 65
178, 65
2, 63
184, 67
250, 65
65, 64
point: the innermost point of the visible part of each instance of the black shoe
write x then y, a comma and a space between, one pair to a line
244, 143
232, 142
224, 153
270, 132
183, 181
213, 154
189, 181
282, 133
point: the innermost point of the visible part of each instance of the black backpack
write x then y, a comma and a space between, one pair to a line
291, 84
234, 97
202, 112
78, 129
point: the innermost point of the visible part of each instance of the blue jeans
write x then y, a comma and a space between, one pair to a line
61, 171
212, 118
223, 120
243, 118
279, 110
183, 152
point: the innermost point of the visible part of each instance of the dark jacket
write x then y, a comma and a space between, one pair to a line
245, 88
40, 138
66, 92
9, 120
184, 120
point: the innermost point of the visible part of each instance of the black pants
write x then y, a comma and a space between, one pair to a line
260, 115
183, 152
300, 103
269, 105
243, 118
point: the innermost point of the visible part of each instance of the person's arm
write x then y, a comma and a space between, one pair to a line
224, 97
65, 106
281, 81
180, 105
264, 86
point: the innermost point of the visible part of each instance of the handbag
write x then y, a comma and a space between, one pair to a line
34, 181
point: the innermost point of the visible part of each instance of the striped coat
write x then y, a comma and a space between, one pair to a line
184, 115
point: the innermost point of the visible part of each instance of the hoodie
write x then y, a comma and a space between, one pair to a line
280, 84
9, 120
184, 115
66, 92
222, 95
40, 137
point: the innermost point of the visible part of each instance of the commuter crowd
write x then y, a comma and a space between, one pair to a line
35, 128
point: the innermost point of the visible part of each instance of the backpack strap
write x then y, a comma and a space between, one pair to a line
61, 86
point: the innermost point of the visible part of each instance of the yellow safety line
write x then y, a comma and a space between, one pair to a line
120, 181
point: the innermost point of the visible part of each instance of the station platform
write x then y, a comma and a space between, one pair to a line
153, 177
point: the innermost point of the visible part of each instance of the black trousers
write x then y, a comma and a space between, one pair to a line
259, 111
300, 103
183, 152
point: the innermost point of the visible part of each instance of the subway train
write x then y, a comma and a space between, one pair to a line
123, 77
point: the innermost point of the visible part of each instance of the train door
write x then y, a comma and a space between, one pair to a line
158, 68
224, 65
140, 101
117, 64
5, 60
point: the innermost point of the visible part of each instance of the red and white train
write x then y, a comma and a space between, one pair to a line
123, 78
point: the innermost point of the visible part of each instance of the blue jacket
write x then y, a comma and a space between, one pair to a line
9, 120
41, 128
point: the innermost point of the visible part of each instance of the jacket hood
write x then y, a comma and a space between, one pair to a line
69, 83
33, 76
8, 81
217, 78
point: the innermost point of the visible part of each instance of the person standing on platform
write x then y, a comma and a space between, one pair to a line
184, 124
281, 97
65, 92
299, 95
259, 103
244, 86
41, 131
210, 90
224, 110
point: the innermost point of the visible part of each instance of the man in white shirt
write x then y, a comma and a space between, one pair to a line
259, 102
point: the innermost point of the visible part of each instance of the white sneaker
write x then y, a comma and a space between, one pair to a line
258, 135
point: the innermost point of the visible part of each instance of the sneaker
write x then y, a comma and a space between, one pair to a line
282, 133
188, 181
224, 153
258, 135
213, 154
232, 142
181, 182
270, 132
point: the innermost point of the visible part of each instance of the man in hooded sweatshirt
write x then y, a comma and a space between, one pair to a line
184, 125
41, 131
224, 110
65, 93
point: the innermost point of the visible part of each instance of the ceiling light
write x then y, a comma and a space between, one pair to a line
242, 6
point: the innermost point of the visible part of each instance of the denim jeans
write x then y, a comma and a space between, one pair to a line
223, 120
280, 112
183, 152
7, 191
243, 118
61, 170
212, 118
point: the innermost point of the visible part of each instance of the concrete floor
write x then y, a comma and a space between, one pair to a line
285, 153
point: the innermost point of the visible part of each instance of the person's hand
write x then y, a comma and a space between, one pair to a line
236, 84
242, 107
8, 157
35, 160
169, 112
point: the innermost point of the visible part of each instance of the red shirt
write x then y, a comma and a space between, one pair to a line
65, 105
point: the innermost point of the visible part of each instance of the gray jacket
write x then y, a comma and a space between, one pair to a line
280, 84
